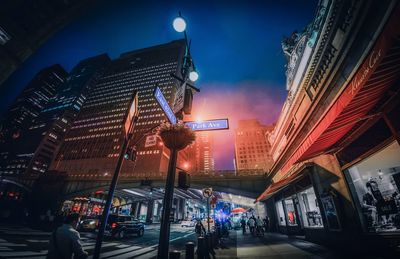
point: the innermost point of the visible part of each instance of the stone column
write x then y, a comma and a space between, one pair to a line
137, 211
150, 211
182, 206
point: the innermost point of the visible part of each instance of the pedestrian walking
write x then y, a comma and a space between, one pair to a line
259, 227
243, 225
65, 241
266, 223
252, 224
199, 228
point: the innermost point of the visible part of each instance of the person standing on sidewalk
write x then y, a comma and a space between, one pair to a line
266, 223
199, 228
65, 241
243, 225
259, 227
252, 224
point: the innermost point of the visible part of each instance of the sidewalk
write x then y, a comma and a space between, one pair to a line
272, 245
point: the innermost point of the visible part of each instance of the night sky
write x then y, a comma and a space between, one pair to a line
235, 46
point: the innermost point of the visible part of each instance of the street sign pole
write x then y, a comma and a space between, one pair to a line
107, 206
208, 214
131, 118
163, 246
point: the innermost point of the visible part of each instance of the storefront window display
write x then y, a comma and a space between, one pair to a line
375, 184
281, 213
310, 210
291, 214
331, 214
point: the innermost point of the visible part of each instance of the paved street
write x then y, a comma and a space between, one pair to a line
270, 246
23, 242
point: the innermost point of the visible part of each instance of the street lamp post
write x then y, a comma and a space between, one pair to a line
188, 68
175, 137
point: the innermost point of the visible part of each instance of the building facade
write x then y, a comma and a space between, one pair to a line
36, 149
93, 144
32, 101
27, 108
252, 149
336, 144
201, 159
15, 128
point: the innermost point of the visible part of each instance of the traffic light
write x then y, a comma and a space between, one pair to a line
183, 180
131, 154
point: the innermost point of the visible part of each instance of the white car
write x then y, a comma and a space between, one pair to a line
187, 223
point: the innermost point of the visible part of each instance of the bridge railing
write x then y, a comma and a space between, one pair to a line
162, 175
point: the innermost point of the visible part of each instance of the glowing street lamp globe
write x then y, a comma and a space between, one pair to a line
179, 24
193, 76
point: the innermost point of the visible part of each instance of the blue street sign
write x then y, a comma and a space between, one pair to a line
208, 125
164, 105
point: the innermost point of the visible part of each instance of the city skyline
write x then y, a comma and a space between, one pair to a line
291, 147
229, 65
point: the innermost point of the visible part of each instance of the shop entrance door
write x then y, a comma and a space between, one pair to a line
293, 216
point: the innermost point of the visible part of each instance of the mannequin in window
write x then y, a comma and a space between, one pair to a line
369, 209
373, 186
368, 199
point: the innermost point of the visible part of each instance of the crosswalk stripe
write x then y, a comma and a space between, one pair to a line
11, 244
37, 240
151, 254
91, 246
123, 246
135, 253
14, 254
30, 233
117, 252
20, 229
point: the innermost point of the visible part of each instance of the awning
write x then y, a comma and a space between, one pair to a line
280, 185
378, 72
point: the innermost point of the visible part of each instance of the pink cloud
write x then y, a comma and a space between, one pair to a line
246, 100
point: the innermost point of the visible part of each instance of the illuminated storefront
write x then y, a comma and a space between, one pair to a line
336, 171
375, 184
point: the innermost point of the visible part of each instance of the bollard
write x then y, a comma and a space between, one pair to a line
214, 240
210, 241
189, 250
174, 254
201, 248
209, 246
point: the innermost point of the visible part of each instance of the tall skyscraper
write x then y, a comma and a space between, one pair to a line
35, 148
201, 158
93, 144
32, 101
252, 149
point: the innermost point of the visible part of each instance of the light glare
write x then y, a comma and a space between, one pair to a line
193, 76
179, 24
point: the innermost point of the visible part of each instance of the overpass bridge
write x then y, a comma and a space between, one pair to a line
248, 183
143, 190
244, 183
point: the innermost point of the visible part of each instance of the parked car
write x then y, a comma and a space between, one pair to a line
120, 226
89, 224
187, 223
